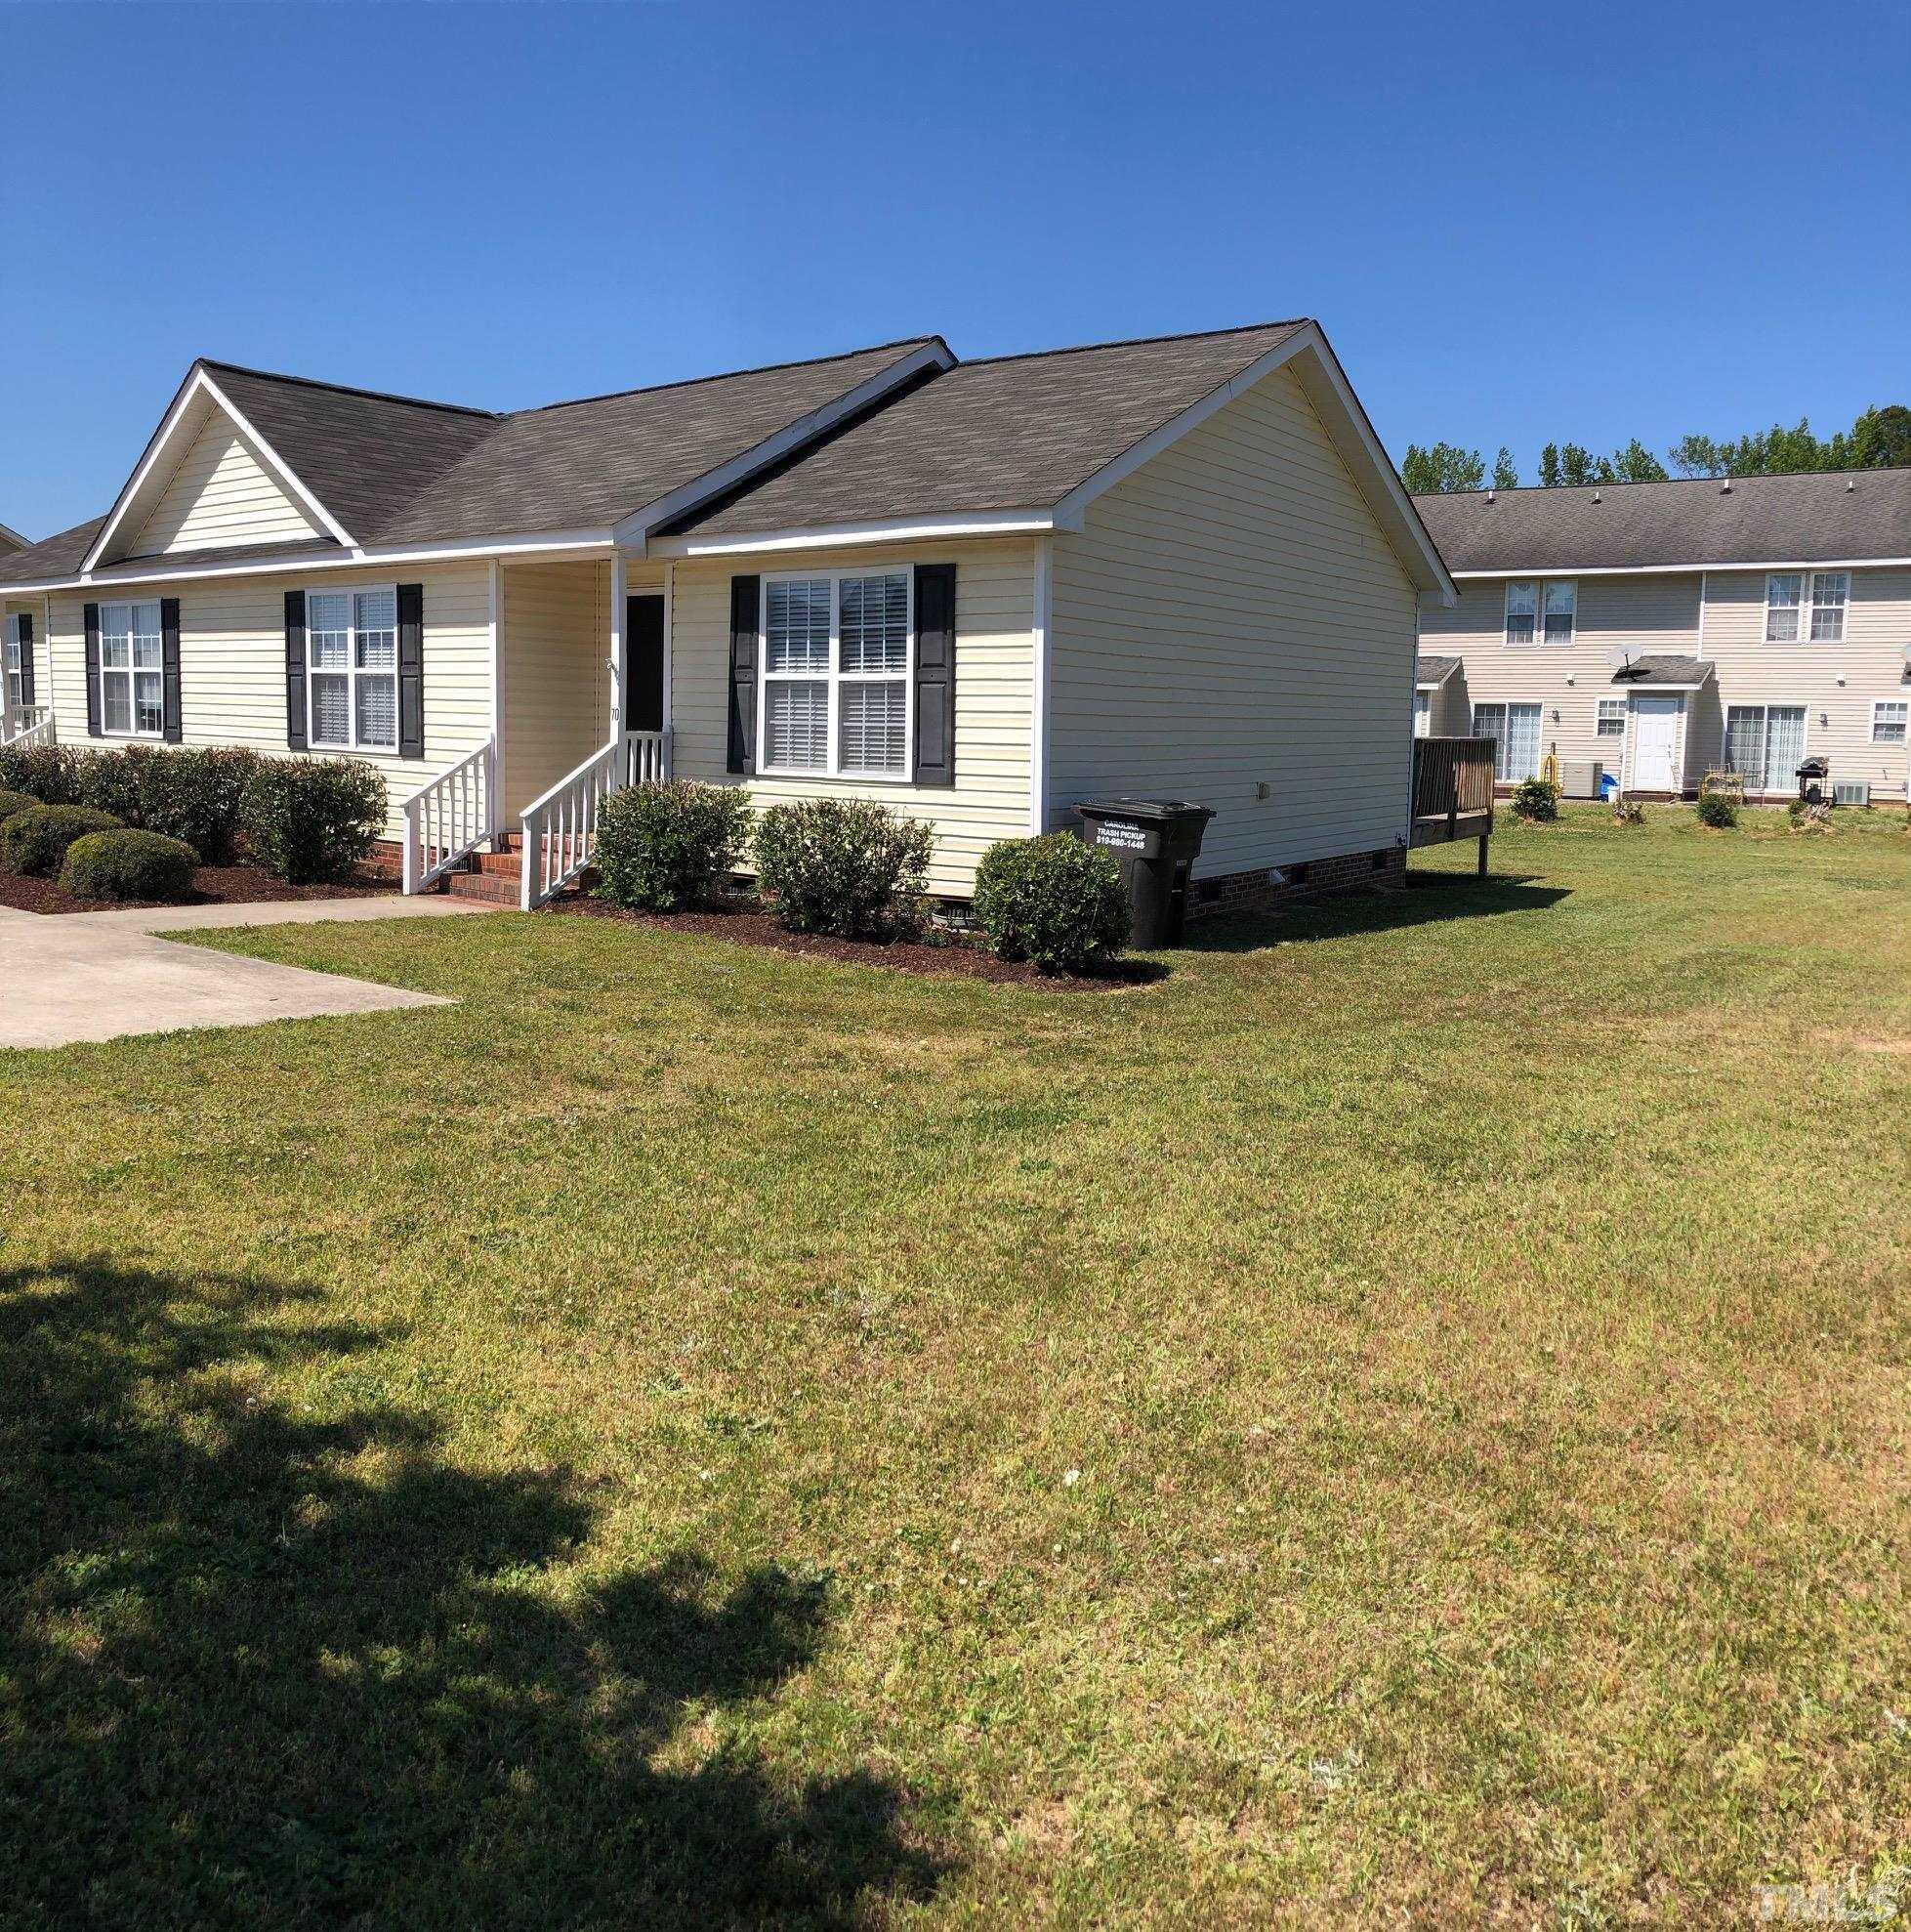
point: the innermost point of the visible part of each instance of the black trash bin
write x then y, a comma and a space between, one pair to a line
1155, 842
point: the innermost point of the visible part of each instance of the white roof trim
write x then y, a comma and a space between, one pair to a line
556, 544
199, 383
1351, 432
633, 530
900, 530
1683, 570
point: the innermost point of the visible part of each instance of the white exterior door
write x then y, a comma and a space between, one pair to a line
1655, 745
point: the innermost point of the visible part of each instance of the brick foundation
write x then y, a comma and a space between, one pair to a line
1324, 879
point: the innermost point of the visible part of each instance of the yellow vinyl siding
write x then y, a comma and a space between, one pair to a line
220, 495
1871, 662
1233, 615
233, 663
994, 655
1641, 615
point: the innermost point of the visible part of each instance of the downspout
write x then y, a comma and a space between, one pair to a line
1040, 630
499, 803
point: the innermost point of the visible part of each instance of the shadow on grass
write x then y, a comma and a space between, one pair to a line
257, 1666
1429, 898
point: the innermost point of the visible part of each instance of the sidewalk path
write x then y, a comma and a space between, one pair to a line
96, 976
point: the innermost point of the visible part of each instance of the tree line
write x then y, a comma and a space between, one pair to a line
1879, 440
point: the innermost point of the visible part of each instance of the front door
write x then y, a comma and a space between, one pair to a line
1655, 743
643, 688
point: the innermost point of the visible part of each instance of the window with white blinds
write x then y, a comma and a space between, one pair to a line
1765, 745
836, 665
16, 660
132, 687
352, 660
1800, 603
1515, 731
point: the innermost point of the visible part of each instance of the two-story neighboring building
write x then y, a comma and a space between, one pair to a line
1671, 629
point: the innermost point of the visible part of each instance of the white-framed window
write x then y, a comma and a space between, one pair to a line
1764, 743
1612, 716
1560, 604
836, 655
16, 665
351, 669
1538, 611
1422, 713
1514, 732
1890, 717
1791, 594
132, 681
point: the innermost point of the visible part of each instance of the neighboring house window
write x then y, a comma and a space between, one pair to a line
1422, 713
836, 661
1786, 596
1521, 613
1612, 716
1764, 743
131, 690
1514, 732
1561, 600
16, 678
1526, 602
1888, 717
352, 649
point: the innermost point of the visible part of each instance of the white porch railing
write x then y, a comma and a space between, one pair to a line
27, 725
449, 819
560, 828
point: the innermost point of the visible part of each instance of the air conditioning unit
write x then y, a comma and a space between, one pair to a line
1850, 791
1579, 778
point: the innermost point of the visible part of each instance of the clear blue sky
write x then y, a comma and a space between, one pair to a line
1517, 223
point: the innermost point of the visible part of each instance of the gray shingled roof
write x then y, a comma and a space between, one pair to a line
1433, 671
1761, 520
395, 469
1663, 668
1014, 432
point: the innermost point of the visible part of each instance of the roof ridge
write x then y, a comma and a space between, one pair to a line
1644, 482
1135, 342
352, 389
726, 375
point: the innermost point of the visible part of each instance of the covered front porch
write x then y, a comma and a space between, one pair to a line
581, 675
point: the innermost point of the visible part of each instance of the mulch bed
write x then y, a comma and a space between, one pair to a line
943, 957
212, 885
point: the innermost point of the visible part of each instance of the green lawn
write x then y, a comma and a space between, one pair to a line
1406, 1417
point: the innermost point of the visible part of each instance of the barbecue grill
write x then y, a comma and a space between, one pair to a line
1814, 781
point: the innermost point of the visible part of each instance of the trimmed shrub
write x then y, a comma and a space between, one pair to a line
311, 820
128, 865
36, 841
1537, 801
48, 773
1052, 900
1718, 811
190, 795
14, 801
669, 847
849, 867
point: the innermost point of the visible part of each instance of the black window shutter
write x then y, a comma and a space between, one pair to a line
169, 665
92, 670
25, 659
745, 608
411, 670
936, 673
295, 670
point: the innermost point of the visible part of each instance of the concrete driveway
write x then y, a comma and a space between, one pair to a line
96, 976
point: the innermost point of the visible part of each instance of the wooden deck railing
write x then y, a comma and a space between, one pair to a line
1452, 777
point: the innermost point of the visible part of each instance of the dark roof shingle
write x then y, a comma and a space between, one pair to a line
1761, 520
1014, 432
1433, 670
1663, 667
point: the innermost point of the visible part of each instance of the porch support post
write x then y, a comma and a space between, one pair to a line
617, 642
497, 805
670, 625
